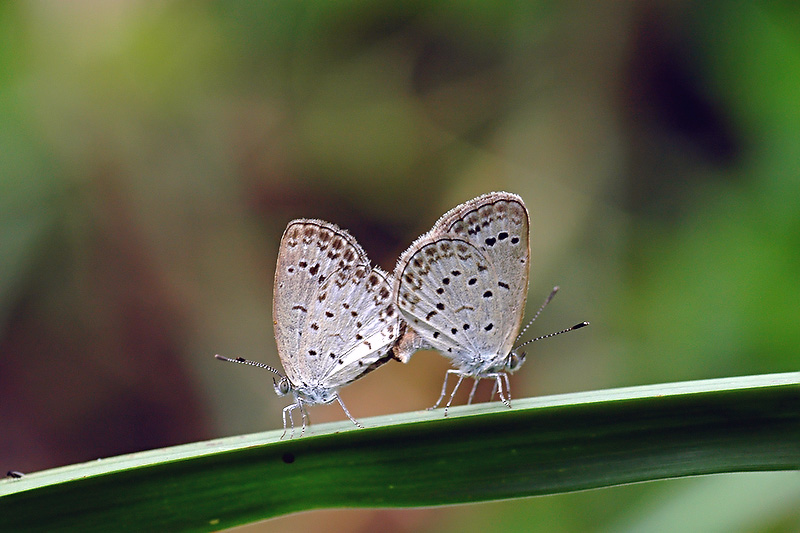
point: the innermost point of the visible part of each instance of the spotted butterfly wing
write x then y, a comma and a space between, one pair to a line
463, 285
334, 315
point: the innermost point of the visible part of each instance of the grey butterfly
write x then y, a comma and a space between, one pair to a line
333, 314
462, 288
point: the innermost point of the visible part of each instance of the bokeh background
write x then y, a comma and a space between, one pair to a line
152, 153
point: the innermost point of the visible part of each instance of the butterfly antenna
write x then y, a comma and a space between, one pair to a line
547, 301
243, 361
576, 326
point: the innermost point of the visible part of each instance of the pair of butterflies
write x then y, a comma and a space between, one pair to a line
459, 289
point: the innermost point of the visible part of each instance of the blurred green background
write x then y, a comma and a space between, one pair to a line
152, 153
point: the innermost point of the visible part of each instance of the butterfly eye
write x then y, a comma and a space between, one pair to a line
515, 360
282, 387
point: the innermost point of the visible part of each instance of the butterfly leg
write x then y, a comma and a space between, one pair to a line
444, 389
453, 394
472, 392
499, 378
508, 388
353, 420
304, 414
287, 413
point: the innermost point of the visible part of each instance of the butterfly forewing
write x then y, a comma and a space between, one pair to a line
463, 285
327, 296
498, 223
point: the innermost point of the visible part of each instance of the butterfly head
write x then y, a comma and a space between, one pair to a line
514, 361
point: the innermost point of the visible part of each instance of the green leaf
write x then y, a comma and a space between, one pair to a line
482, 452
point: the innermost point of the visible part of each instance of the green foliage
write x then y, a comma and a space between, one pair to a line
483, 452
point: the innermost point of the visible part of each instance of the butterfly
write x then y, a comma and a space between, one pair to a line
334, 317
462, 288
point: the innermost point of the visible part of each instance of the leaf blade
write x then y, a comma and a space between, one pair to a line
483, 452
